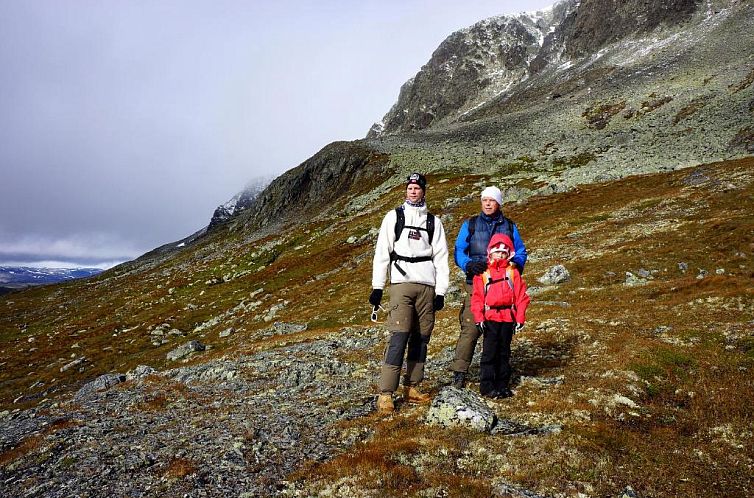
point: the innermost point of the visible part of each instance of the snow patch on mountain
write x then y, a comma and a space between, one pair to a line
241, 201
24, 275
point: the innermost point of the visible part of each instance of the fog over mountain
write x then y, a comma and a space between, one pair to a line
122, 125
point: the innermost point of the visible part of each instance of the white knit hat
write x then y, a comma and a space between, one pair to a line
493, 193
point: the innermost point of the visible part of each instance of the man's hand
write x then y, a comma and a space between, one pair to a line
476, 267
375, 297
438, 303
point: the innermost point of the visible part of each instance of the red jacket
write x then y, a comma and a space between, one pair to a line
505, 298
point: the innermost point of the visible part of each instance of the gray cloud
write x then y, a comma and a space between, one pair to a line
124, 124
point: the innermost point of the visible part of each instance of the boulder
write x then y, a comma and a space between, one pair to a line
185, 350
633, 280
139, 372
555, 275
283, 328
461, 407
101, 383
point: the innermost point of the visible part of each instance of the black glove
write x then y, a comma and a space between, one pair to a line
476, 267
438, 303
480, 327
519, 327
375, 297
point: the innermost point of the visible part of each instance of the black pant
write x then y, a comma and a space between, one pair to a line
494, 366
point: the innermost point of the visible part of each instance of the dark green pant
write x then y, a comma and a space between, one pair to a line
469, 335
411, 320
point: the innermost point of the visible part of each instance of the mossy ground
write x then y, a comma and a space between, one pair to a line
680, 347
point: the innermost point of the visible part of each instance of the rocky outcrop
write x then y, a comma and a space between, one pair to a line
599, 22
498, 54
228, 427
240, 202
472, 65
316, 183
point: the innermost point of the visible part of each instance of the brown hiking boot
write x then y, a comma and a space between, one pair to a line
413, 395
385, 403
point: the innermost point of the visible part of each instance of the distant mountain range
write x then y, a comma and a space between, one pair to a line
17, 277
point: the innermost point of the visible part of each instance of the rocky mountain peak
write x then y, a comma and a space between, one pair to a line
472, 65
239, 202
477, 64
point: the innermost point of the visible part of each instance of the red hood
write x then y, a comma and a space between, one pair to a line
500, 238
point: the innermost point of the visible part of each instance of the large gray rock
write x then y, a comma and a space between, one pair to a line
283, 328
462, 408
555, 275
101, 383
139, 372
185, 350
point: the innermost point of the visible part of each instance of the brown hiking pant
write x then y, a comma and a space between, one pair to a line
469, 335
410, 321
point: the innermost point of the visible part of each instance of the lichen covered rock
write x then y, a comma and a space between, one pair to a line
461, 407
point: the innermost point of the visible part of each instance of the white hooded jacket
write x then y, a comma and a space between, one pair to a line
411, 244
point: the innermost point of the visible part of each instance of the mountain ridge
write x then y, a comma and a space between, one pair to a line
579, 119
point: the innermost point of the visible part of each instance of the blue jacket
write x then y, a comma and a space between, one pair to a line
475, 249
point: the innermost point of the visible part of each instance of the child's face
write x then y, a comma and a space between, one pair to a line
498, 255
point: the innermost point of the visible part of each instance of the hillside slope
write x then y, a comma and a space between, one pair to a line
621, 379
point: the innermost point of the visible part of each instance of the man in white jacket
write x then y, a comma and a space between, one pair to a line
412, 245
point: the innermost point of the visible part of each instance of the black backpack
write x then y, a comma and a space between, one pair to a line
400, 224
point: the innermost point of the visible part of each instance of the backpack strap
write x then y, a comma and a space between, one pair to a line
471, 227
430, 227
510, 273
400, 222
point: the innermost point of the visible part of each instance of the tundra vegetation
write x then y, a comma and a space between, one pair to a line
647, 377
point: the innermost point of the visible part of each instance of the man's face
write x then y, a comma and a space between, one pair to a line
490, 206
414, 193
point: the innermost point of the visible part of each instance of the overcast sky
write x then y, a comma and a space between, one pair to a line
123, 124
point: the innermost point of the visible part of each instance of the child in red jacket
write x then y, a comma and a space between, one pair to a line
499, 303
